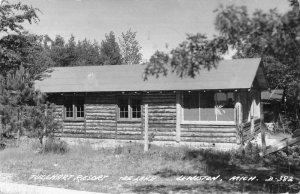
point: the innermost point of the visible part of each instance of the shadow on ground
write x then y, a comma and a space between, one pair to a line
213, 163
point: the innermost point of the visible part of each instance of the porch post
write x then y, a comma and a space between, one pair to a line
178, 116
146, 138
239, 119
1, 127
262, 128
252, 125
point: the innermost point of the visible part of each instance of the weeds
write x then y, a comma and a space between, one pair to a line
57, 146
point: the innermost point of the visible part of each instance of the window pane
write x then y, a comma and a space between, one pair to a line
225, 108
79, 103
69, 107
80, 110
191, 106
136, 108
69, 110
207, 106
123, 107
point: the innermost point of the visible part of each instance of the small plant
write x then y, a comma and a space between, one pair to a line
247, 155
118, 150
56, 146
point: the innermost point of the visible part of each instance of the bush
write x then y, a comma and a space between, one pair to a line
247, 155
55, 146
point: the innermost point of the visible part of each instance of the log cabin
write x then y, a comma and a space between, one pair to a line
220, 107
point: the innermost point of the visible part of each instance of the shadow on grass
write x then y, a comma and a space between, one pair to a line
227, 165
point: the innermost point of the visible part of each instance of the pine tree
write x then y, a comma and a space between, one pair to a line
110, 51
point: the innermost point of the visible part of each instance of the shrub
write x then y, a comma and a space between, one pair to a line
247, 155
57, 146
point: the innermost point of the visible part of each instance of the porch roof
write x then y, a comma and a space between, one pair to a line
229, 74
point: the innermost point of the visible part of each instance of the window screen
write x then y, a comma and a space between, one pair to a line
208, 106
191, 106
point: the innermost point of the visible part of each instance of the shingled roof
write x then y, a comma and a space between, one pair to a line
229, 74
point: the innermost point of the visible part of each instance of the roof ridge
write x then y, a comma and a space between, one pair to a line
240, 59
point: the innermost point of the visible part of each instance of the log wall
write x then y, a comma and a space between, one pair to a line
162, 115
101, 121
208, 133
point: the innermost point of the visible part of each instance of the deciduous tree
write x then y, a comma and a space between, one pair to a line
130, 48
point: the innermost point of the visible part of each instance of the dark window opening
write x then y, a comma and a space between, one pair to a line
124, 107
74, 107
129, 108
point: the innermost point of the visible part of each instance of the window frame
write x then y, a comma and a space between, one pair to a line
129, 103
203, 122
74, 100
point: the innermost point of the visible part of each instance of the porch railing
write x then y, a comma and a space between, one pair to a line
249, 129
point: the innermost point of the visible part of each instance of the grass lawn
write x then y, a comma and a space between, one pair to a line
130, 170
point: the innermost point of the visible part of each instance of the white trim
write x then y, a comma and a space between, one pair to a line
202, 122
178, 116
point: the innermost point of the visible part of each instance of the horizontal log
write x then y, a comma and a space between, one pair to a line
163, 133
162, 109
104, 111
129, 129
130, 124
209, 140
129, 132
100, 132
164, 138
159, 104
150, 108
164, 125
100, 111
162, 130
130, 137
206, 126
100, 106
73, 130
88, 121
100, 117
100, 128
74, 124
209, 130
157, 121
111, 116
165, 115
211, 135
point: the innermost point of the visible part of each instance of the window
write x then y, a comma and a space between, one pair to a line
129, 108
208, 106
74, 107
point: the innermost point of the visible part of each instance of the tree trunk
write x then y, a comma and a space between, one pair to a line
18, 132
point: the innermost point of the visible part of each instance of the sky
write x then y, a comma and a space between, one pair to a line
160, 24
